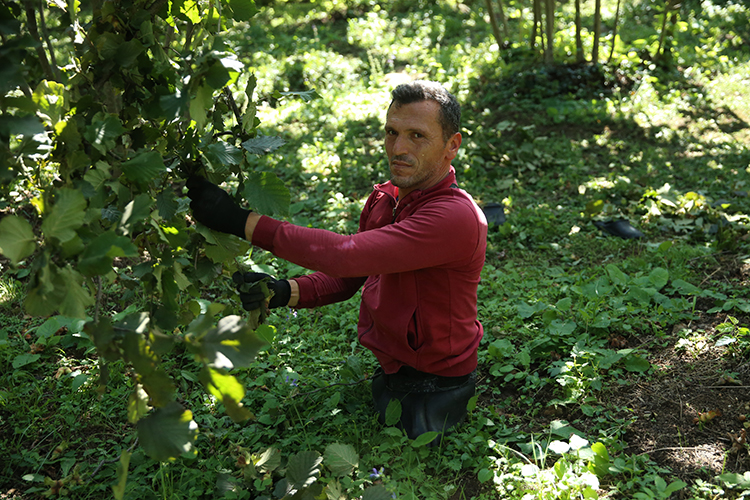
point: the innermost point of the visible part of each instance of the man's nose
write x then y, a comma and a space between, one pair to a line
400, 145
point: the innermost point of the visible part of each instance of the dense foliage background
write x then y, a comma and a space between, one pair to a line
610, 368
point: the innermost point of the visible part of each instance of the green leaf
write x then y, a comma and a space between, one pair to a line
17, 240
99, 253
425, 439
242, 10
634, 363
601, 462
227, 389
618, 277
231, 344
564, 304
741, 480
166, 204
128, 52
266, 193
685, 288
485, 475
227, 247
305, 95
303, 469
24, 359
393, 412
145, 167
104, 131
76, 298
221, 153
269, 460
168, 432
200, 104
122, 475
135, 211
49, 96
263, 144
67, 215
659, 278
377, 492
342, 459
137, 404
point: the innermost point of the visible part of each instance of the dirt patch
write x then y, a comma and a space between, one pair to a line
691, 415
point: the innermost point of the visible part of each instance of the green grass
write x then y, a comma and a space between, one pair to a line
666, 149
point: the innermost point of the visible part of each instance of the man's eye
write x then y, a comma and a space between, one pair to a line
417, 135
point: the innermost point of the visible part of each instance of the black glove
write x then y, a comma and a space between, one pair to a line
214, 208
251, 293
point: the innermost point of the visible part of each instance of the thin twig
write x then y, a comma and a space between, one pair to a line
112, 460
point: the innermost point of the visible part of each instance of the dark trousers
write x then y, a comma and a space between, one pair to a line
428, 402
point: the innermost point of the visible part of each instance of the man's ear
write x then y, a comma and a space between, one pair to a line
451, 147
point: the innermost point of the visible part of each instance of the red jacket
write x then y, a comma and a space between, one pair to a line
419, 259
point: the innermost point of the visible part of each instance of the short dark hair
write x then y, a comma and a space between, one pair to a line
422, 90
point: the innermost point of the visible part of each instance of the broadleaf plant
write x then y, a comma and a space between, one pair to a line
97, 137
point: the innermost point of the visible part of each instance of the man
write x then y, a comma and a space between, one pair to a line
417, 256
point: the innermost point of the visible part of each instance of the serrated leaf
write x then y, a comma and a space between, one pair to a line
76, 298
242, 10
227, 247
168, 432
122, 475
144, 167
342, 459
104, 131
200, 104
263, 145
137, 351
222, 153
303, 469
137, 404
67, 215
377, 492
393, 412
231, 344
227, 389
305, 95
166, 204
135, 211
99, 253
17, 240
266, 193
269, 460
425, 439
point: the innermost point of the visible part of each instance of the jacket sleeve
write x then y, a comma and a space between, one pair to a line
319, 289
437, 234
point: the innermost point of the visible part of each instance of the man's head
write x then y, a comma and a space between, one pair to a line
421, 135
422, 90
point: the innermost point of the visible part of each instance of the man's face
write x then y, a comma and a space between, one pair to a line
418, 155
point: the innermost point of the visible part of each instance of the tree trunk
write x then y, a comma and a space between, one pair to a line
549, 15
597, 31
535, 24
614, 32
493, 22
503, 19
580, 56
660, 49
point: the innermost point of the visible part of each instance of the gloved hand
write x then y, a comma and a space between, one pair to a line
251, 293
214, 208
